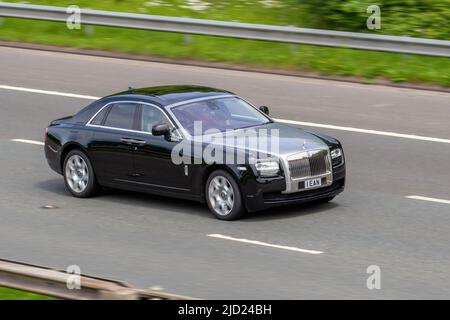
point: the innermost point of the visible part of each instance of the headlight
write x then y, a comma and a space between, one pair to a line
336, 153
267, 168
337, 157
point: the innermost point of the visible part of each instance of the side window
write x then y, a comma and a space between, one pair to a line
98, 120
121, 115
151, 116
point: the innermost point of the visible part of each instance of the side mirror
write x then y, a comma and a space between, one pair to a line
264, 109
162, 129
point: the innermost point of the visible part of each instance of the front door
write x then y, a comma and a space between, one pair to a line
152, 161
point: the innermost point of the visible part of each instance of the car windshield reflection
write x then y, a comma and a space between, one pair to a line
218, 114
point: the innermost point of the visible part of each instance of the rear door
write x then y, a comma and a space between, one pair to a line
112, 148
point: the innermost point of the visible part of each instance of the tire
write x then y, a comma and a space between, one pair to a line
79, 176
223, 196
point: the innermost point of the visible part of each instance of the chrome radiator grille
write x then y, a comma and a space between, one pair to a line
311, 164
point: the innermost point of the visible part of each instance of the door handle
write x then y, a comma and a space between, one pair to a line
126, 140
133, 141
139, 142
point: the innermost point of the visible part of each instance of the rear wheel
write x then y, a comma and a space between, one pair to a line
79, 175
223, 196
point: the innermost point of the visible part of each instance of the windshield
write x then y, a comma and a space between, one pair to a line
219, 114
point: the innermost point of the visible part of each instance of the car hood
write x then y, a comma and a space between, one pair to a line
290, 139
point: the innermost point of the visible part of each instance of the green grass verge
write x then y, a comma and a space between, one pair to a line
11, 294
278, 12
366, 65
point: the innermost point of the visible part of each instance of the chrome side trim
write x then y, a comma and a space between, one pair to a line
151, 184
52, 149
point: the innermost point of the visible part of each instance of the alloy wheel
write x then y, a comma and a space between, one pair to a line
77, 173
221, 195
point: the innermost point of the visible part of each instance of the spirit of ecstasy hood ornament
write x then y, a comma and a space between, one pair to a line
304, 145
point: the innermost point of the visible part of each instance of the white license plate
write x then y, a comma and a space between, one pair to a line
313, 183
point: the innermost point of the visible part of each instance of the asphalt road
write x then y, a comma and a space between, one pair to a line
149, 240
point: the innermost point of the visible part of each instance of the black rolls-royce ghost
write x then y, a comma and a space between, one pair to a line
195, 143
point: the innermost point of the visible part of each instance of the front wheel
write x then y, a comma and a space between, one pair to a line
223, 196
79, 175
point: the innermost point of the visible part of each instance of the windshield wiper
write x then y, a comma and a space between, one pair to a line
254, 125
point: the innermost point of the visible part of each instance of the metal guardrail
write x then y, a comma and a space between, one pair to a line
330, 38
53, 283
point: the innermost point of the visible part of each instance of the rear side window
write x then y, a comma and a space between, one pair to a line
121, 116
98, 120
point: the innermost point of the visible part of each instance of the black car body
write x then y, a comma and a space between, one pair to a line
123, 151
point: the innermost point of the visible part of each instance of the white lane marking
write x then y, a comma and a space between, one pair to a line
428, 199
28, 141
234, 72
368, 131
259, 243
53, 93
299, 123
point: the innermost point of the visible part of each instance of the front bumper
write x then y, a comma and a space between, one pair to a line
268, 193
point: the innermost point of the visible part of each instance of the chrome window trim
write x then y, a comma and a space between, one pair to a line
257, 109
137, 103
180, 103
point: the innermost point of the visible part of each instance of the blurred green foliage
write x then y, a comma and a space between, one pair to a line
419, 18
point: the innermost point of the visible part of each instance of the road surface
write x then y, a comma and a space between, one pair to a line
394, 214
